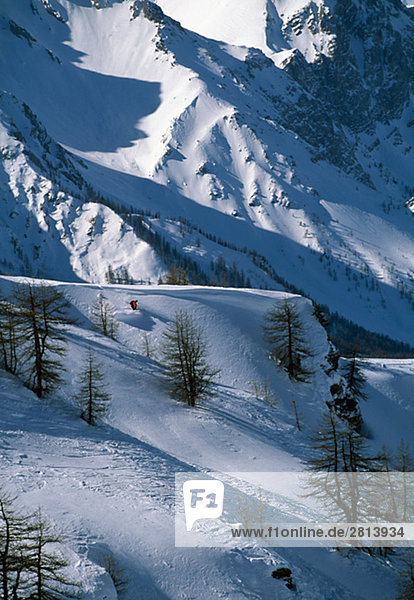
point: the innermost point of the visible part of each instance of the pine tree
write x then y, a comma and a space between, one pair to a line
325, 462
285, 332
355, 379
13, 528
115, 571
320, 315
103, 316
345, 405
9, 336
326, 444
125, 277
337, 448
404, 463
385, 459
93, 400
384, 463
406, 583
42, 320
354, 452
176, 276
184, 356
30, 565
332, 357
46, 564
110, 275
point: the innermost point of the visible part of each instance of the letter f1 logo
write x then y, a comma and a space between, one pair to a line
203, 499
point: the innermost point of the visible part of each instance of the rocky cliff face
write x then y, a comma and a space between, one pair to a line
366, 72
354, 68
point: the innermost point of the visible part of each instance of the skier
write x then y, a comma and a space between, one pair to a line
134, 305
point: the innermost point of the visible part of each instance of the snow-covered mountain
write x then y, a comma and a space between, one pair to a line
257, 144
281, 128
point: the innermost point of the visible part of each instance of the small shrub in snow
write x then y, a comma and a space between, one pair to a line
115, 571
263, 391
103, 317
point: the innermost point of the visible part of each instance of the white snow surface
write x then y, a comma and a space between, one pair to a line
112, 486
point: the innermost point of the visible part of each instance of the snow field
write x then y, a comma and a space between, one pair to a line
113, 486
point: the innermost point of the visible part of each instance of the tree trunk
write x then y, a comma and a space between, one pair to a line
290, 349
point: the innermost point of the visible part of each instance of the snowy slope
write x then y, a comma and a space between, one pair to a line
113, 486
45, 230
188, 113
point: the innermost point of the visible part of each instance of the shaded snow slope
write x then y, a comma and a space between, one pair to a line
46, 229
